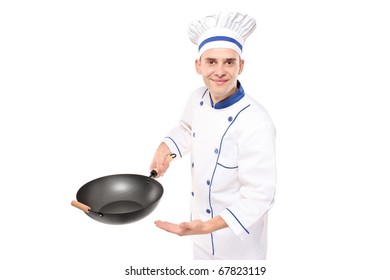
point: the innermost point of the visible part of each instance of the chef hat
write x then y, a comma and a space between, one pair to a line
224, 30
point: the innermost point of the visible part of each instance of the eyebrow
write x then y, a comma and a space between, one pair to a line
225, 59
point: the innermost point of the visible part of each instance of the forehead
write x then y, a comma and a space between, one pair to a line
220, 53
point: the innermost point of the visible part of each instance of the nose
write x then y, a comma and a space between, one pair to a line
219, 71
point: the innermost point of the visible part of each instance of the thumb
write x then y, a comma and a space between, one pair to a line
185, 225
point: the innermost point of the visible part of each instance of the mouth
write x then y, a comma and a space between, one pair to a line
219, 81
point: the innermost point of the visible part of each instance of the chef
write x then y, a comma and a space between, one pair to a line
231, 140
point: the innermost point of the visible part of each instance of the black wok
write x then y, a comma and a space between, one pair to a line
120, 199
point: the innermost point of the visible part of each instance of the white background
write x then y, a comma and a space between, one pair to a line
89, 88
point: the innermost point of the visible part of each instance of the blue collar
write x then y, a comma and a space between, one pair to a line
237, 96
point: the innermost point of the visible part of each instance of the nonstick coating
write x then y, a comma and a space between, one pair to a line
121, 198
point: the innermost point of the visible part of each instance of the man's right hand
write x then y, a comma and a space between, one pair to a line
161, 160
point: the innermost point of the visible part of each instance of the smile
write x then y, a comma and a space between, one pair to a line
219, 82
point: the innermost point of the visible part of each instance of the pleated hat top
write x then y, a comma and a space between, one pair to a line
223, 30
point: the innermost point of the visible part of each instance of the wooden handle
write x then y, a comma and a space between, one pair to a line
81, 206
168, 159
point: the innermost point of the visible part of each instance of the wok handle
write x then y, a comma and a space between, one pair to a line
169, 158
81, 206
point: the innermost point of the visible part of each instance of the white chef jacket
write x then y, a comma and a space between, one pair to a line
232, 145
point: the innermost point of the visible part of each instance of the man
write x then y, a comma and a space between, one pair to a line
231, 139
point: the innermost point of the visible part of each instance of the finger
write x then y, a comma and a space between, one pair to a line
159, 223
161, 167
165, 225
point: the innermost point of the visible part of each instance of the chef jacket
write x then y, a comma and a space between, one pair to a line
232, 145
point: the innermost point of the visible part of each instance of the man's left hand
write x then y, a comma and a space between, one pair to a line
193, 227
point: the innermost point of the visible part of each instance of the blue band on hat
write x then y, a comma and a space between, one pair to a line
219, 38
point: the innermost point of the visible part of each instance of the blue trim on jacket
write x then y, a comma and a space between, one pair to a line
215, 168
177, 147
234, 98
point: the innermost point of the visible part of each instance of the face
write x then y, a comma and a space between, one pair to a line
220, 69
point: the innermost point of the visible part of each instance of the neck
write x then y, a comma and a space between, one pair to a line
218, 98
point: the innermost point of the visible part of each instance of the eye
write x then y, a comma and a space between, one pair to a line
230, 62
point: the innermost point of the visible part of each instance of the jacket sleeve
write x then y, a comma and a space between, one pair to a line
178, 138
257, 178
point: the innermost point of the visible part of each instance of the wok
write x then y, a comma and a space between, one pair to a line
121, 198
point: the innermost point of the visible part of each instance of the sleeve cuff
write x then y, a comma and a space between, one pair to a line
172, 146
234, 224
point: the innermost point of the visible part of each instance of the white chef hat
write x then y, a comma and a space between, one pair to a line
224, 30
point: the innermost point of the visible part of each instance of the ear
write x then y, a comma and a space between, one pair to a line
242, 62
197, 66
